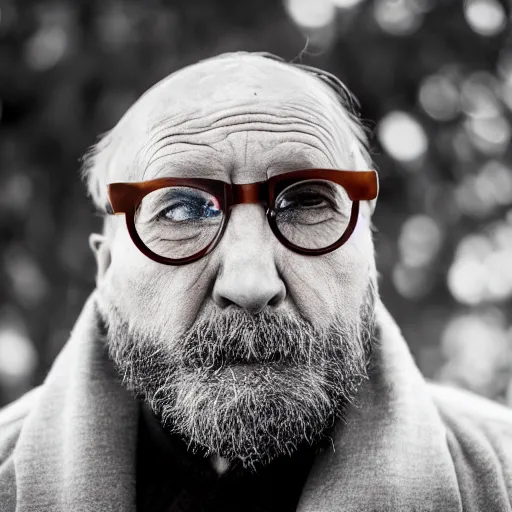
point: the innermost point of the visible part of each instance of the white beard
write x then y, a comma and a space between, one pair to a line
248, 388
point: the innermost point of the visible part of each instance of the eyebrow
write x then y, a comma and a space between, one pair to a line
199, 165
188, 171
184, 167
283, 167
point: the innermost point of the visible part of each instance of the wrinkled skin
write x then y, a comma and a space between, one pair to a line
241, 119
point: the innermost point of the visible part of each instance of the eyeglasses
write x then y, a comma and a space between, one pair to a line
179, 220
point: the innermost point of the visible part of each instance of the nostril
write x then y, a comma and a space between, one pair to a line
278, 297
223, 302
253, 298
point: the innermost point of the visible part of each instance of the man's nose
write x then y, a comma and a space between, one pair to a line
248, 277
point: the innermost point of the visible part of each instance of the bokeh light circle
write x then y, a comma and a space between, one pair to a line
397, 17
439, 98
419, 241
485, 17
467, 280
481, 271
478, 353
311, 15
478, 96
18, 357
346, 4
402, 136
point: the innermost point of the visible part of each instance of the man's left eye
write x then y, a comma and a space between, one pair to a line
302, 201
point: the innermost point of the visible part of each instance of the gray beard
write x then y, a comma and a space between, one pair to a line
247, 387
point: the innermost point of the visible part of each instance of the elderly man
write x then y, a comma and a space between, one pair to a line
235, 354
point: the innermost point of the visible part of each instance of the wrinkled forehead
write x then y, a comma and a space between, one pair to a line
185, 105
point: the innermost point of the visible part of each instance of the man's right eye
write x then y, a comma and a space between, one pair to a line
180, 212
192, 209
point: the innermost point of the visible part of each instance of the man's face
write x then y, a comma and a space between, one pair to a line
252, 350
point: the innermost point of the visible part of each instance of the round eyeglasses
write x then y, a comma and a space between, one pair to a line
179, 220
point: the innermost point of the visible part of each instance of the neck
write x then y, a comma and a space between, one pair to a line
176, 449
172, 444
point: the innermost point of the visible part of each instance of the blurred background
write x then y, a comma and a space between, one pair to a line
435, 81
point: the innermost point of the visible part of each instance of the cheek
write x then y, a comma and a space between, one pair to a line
153, 296
322, 287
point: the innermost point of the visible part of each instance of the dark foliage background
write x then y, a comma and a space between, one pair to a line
433, 76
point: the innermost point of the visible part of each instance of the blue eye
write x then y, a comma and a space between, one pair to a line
190, 209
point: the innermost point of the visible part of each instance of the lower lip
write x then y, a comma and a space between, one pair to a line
248, 368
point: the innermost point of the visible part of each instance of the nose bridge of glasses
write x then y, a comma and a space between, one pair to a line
250, 193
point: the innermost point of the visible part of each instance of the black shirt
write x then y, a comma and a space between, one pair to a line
171, 478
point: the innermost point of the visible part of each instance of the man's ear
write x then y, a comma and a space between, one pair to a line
101, 250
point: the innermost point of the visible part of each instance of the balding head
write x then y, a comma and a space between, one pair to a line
255, 348
234, 84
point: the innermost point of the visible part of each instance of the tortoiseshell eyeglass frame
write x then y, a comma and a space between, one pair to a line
125, 198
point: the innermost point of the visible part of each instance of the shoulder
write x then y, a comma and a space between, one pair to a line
469, 416
479, 438
468, 405
11, 421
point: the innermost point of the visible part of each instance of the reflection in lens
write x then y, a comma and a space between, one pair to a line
313, 214
178, 222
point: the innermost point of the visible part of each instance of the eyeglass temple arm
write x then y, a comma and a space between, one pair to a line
120, 197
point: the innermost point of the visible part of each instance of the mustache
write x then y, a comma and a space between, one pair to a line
236, 337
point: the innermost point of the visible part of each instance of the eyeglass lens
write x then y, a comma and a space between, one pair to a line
179, 222
313, 214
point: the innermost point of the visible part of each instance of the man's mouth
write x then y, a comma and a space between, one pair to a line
239, 361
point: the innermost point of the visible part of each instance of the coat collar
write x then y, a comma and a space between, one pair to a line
78, 444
